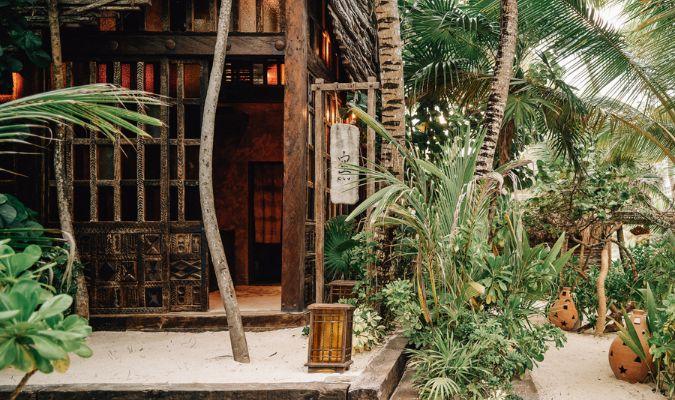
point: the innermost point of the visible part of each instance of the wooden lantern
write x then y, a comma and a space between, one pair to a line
330, 337
341, 289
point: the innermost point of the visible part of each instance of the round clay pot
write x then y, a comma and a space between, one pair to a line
563, 313
625, 364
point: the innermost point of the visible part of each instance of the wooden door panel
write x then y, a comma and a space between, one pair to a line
142, 254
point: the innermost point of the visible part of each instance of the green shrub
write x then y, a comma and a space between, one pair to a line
368, 330
35, 334
655, 265
402, 305
19, 224
475, 357
346, 252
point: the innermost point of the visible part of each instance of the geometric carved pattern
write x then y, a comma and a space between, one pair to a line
152, 245
120, 244
107, 297
186, 269
181, 244
185, 243
153, 270
185, 295
130, 298
107, 271
128, 271
131, 272
153, 297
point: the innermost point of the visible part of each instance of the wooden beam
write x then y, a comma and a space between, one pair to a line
349, 86
168, 44
88, 7
295, 157
319, 188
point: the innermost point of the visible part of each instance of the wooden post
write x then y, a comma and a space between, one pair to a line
319, 188
295, 156
370, 137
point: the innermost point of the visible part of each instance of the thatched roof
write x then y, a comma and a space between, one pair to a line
81, 12
354, 30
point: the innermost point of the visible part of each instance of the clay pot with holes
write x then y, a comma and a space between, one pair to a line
563, 313
625, 364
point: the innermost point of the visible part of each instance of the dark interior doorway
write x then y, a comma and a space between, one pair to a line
266, 199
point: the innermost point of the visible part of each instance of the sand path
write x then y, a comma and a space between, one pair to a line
580, 371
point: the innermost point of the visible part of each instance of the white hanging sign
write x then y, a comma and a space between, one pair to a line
344, 149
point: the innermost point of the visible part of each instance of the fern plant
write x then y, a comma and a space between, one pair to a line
339, 242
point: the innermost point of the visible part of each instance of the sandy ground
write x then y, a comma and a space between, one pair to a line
580, 371
173, 357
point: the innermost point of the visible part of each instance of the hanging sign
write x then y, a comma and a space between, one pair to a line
344, 149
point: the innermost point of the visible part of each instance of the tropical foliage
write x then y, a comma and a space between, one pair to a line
99, 108
463, 276
346, 252
18, 43
621, 74
35, 333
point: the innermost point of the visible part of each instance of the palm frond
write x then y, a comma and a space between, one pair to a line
108, 109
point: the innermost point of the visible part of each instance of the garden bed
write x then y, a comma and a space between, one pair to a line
172, 357
132, 363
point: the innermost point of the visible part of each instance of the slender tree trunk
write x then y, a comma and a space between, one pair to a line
63, 200
621, 241
600, 287
17, 390
499, 89
390, 51
225, 285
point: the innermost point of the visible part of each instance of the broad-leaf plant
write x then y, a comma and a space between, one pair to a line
36, 332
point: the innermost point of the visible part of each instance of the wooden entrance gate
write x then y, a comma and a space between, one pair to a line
136, 200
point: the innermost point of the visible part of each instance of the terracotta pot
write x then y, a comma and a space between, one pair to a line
625, 364
563, 313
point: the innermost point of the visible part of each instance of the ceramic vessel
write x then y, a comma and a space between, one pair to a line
563, 313
625, 364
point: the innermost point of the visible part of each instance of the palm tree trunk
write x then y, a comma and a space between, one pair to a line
63, 200
499, 89
390, 51
225, 285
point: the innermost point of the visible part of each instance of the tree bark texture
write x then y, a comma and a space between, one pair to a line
600, 288
499, 88
63, 199
390, 49
222, 270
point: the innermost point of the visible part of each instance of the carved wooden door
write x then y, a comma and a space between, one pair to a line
136, 200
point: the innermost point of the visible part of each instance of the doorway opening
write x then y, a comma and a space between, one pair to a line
266, 181
248, 188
